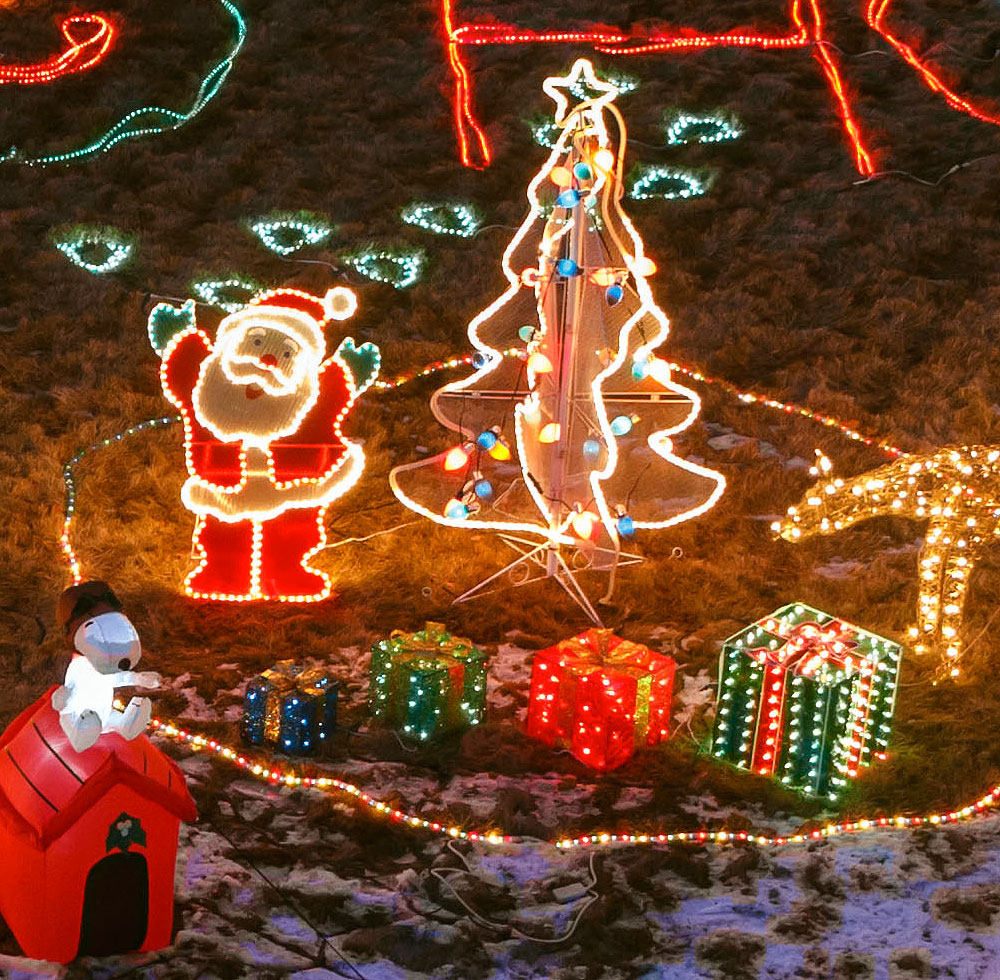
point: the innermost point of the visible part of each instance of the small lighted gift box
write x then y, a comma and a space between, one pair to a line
290, 707
805, 697
601, 697
427, 683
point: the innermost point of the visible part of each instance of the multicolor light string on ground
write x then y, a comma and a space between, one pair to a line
277, 775
83, 52
149, 120
747, 397
808, 32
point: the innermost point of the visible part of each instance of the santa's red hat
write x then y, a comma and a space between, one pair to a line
299, 314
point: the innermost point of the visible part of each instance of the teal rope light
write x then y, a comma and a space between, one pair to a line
667, 183
150, 120
224, 293
79, 243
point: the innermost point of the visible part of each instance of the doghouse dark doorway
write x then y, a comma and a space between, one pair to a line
115, 906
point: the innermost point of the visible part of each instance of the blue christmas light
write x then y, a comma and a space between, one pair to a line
484, 489
621, 425
486, 440
568, 198
568, 268
591, 448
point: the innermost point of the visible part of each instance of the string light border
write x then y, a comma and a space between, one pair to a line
648, 177
81, 54
681, 122
301, 779
150, 120
410, 263
210, 291
311, 231
808, 32
460, 220
71, 243
463, 360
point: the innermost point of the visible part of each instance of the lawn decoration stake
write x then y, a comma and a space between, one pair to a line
807, 31
89, 809
262, 407
956, 490
570, 443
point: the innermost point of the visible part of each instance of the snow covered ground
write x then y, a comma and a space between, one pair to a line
291, 884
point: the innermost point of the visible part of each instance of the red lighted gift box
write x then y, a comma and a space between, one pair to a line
88, 840
601, 697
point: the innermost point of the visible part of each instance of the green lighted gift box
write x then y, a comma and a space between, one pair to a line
805, 697
427, 683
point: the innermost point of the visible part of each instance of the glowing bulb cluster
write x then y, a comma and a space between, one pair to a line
956, 490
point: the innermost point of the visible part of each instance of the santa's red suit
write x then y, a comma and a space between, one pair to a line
243, 558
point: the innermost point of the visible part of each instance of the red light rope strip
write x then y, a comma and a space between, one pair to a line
332, 785
875, 15
748, 397
612, 43
79, 56
822, 53
464, 115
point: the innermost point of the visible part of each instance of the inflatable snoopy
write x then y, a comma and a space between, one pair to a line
106, 648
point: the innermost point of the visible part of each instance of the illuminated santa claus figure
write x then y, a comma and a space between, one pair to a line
262, 408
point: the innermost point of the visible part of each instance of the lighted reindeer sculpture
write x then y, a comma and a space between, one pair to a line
956, 490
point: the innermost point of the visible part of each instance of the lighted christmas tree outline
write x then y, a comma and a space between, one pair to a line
562, 379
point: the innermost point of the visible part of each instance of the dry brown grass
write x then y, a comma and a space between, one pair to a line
874, 302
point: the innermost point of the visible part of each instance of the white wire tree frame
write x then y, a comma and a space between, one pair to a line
563, 444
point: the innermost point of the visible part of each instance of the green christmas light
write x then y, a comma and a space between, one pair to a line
98, 250
150, 120
461, 220
666, 183
287, 235
625, 83
544, 130
685, 127
218, 292
398, 268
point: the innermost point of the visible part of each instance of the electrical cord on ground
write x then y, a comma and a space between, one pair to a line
443, 875
325, 941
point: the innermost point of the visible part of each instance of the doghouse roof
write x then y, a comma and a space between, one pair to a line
46, 785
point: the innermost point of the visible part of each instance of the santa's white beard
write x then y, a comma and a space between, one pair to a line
224, 407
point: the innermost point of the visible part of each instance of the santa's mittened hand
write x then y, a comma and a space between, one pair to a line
362, 361
166, 321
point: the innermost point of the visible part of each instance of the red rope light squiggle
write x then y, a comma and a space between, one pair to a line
474, 147
875, 15
82, 53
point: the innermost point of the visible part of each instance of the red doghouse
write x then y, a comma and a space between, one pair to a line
89, 840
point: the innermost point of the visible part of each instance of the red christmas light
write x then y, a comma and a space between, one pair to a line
808, 32
83, 52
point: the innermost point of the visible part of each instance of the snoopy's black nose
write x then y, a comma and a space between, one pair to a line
124, 663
